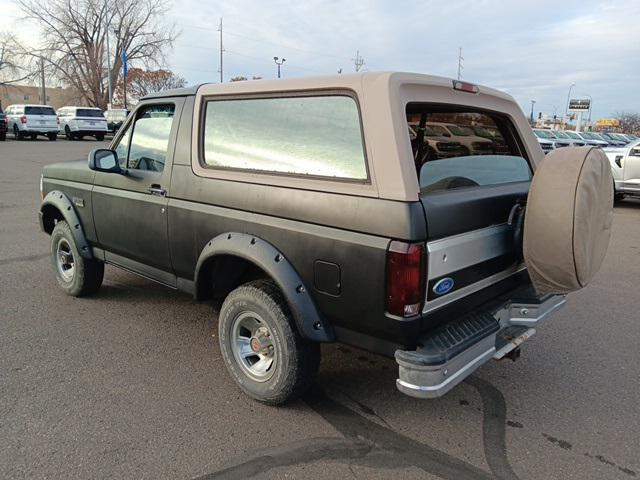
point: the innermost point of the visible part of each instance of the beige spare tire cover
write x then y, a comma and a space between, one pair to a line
568, 219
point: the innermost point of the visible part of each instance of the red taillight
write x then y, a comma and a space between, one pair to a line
405, 278
465, 86
23, 119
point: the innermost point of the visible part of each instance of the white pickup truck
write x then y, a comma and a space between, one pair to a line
625, 168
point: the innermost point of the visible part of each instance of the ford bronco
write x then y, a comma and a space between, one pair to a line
309, 209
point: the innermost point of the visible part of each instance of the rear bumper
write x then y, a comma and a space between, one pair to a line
451, 353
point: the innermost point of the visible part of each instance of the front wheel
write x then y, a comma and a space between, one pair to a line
76, 275
261, 346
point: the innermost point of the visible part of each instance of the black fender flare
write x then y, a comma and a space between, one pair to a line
267, 257
61, 202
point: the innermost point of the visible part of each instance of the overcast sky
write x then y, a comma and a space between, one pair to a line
533, 50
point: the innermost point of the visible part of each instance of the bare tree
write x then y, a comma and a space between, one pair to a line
142, 82
12, 68
629, 121
74, 39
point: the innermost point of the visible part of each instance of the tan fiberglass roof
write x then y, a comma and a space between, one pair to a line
382, 97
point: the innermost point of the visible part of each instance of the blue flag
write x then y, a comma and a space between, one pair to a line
125, 67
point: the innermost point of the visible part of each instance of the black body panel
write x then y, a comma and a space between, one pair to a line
465, 209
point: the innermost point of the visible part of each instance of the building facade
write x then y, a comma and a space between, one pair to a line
56, 96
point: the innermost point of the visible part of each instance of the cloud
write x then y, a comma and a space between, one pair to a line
533, 50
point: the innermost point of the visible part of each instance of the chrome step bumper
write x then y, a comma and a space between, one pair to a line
453, 351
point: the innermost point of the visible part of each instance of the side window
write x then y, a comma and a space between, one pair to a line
150, 138
305, 135
123, 147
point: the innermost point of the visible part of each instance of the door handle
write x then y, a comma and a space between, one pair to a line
156, 189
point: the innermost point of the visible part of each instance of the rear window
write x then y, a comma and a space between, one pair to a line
303, 135
39, 111
88, 112
470, 148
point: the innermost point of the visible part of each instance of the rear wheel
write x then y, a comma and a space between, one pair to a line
52, 137
3, 136
100, 137
76, 275
67, 133
261, 346
34, 136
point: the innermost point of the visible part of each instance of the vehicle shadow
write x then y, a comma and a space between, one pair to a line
348, 377
630, 204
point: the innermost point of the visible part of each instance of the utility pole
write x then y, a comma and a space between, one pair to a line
221, 50
42, 85
106, 32
279, 63
460, 66
358, 61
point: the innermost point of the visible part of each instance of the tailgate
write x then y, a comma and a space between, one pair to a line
473, 201
471, 245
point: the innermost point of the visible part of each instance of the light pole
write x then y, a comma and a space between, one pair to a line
279, 63
533, 102
566, 108
106, 32
590, 107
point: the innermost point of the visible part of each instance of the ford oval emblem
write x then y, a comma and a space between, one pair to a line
443, 286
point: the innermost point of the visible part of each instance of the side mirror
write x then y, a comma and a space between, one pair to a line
105, 160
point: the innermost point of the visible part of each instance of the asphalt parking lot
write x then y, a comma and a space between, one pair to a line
130, 383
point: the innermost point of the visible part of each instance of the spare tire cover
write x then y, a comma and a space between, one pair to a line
568, 219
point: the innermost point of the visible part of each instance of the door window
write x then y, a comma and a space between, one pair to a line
122, 148
150, 138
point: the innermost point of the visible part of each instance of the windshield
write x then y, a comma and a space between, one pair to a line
39, 111
561, 134
588, 135
89, 112
544, 134
595, 136
573, 135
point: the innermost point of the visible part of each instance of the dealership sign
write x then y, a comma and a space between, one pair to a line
608, 122
579, 105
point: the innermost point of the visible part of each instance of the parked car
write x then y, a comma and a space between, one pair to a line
435, 145
3, 126
493, 134
593, 138
31, 121
611, 138
573, 142
474, 144
298, 204
115, 117
551, 137
79, 122
625, 168
546, 145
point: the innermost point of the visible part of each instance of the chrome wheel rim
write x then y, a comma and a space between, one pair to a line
253, 346
64, 260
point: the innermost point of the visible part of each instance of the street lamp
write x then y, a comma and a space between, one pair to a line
533, 102
566, 110
279, 63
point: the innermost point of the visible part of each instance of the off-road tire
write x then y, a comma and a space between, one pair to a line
297, 359
88, 273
